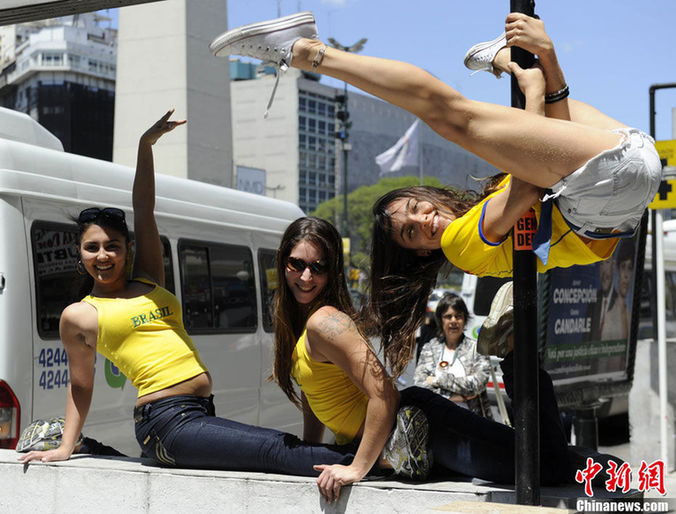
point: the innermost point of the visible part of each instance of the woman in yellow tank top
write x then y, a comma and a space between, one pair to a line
138, 325
344, 387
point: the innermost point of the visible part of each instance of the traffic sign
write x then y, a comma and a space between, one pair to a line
666, 194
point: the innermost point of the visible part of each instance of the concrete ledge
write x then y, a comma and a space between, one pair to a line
125, 485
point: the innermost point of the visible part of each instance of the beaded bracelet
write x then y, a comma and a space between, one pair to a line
320, 55
559, 95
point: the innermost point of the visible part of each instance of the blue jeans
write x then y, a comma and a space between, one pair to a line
465, 443
183, 431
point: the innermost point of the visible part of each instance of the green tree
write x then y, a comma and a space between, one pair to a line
360, 220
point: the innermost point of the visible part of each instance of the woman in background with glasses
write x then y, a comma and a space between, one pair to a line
138, 325
450, 365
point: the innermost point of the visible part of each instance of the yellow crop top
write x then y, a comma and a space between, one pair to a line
466, 247
145, 338
336, 401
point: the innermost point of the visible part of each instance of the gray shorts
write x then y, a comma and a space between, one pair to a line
608, 195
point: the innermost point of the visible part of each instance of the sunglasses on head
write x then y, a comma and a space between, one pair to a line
299, 265
92, 213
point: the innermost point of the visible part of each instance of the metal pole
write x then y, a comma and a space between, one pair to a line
658, 265
659, 297
526, 398
345, 128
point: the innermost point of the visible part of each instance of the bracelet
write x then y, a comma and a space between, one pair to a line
320, 55
559, 95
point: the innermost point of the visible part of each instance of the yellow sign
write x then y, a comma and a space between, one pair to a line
346, 246
666, 194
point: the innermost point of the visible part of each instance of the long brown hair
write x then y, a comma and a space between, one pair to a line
401, 280
289, 318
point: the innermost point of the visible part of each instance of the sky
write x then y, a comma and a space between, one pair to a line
611, 51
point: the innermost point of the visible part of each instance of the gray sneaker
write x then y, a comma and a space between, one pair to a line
407, 447
494, 333
480, 56
270, 41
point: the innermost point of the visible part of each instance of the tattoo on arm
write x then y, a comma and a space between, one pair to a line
335, 325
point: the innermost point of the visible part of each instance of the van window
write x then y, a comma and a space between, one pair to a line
267, 263
218, 287
57, 282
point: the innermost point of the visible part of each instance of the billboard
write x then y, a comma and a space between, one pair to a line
590, 318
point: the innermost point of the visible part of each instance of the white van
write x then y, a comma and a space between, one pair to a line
220, 247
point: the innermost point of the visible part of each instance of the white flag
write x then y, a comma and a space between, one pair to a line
405, 152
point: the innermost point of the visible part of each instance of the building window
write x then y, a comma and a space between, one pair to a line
321, 127
302, 141
321, 108
302, 123
312, 125
52, 59
312, 142
312, 106
302, 104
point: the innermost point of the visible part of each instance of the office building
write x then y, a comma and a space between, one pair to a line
62, 73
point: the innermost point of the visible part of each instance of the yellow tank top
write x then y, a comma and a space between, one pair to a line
336, 401
145, 338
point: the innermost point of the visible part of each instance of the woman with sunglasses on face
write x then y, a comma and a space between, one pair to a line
318, 345
344, 387
138, 325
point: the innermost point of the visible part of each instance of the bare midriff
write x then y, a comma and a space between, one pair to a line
199, 385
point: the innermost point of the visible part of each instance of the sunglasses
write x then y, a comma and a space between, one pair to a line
299, 265
92, 213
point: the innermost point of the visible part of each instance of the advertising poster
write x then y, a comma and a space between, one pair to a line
590, 309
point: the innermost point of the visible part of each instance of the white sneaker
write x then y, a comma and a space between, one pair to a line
270, 41
480, 56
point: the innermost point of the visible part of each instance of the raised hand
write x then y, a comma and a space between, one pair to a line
161, 127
